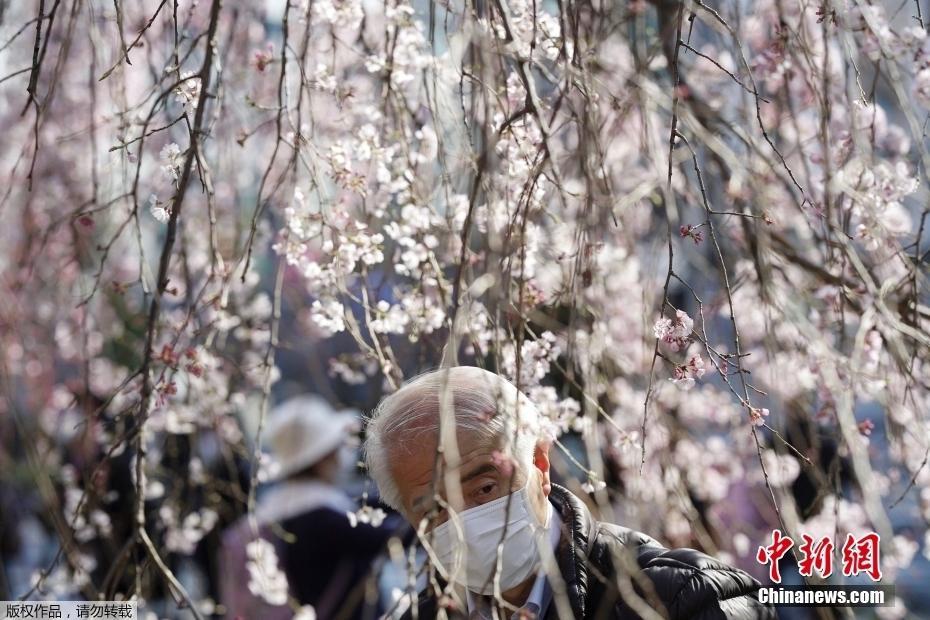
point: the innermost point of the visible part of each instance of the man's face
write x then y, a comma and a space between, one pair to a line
483, 475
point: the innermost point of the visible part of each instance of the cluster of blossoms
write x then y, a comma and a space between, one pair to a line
757, 415
368, 515
408, 55
530, 28
266, 579
183, 537
686, 374
340, 13
676, 334
187, 93
876, 201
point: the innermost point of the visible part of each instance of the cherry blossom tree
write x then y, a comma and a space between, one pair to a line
692, 233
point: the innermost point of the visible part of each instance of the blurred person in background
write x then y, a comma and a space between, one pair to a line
507, 542
323, 549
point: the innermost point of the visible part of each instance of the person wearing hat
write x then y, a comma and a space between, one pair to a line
324, 553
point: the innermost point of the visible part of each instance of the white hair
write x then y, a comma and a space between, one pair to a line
483, 403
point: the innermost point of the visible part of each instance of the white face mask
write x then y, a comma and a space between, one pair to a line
483, 527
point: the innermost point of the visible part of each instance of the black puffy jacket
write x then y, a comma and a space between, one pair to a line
595, 557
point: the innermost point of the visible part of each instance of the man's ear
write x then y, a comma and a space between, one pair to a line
541, 461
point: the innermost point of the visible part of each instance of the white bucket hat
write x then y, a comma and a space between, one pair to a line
304, 429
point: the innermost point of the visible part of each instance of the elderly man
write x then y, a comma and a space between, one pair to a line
458, 452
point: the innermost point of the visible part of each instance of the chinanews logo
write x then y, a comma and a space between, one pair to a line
858, 556
828, 596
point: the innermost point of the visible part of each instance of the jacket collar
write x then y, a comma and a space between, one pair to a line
578, 532
295, 496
